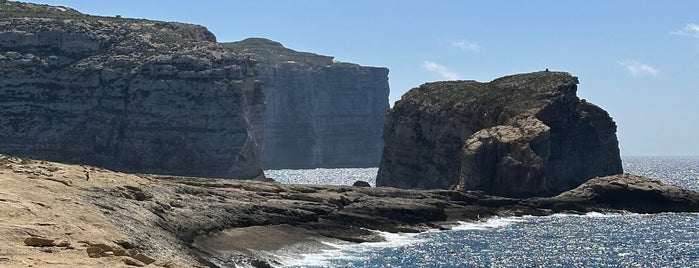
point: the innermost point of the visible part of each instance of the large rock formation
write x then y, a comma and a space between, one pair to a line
125, 94
520, 135
320, 113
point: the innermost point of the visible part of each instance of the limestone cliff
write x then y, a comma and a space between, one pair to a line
520, 135
132, 95
320, 113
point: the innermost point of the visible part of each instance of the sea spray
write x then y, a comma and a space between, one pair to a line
491, 223
345, 251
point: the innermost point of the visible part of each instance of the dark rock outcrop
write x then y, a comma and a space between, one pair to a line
320, 113
187, 210
361, 184
631, 193
520, 135
131, 95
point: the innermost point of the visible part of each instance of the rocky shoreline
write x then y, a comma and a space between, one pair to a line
158, 97
186, 221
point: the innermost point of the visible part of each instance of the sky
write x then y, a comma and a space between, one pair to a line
639, 60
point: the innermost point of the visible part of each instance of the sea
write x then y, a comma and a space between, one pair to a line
592, 240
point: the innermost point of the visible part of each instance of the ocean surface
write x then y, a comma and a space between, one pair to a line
593, 240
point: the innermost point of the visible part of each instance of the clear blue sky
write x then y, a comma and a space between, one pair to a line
639, 60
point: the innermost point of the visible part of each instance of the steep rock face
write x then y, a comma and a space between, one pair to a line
319, 113
130, 95
520, 135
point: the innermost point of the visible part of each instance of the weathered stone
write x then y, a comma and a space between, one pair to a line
520, 135
38, 242
125, 94
61, 243
194, 233
320, 113
124, 244
143, 258
104, 247
361, 184
133, 262
95, 252
131, 252
632, 193
121, 252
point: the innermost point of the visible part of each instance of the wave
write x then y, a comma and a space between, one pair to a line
500, 222
592, 215
490, 223
341, 250
336, 250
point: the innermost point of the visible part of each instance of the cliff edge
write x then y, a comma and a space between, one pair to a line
320, 113
520, 135
126, 94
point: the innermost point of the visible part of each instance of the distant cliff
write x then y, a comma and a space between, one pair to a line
320, 113
520, 135
130, 95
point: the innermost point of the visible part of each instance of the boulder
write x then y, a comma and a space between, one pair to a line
631, 193
361, 184
95, 252
38, 242
517, 136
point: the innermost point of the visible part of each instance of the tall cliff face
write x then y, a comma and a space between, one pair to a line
520, 135
319, 113
132, 95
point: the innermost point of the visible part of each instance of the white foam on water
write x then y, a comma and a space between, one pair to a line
490, 223
340, 250
592, 215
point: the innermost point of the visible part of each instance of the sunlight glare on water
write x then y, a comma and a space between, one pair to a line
593, 240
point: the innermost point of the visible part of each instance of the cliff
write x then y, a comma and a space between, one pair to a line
520, 135
320, 113
59, 215
126, 94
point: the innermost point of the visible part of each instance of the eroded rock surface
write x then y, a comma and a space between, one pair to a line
320, 113
520, 135
126, 94
51, 214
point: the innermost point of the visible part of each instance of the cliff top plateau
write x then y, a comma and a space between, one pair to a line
273, 52
515, 93
519, 135
22, 10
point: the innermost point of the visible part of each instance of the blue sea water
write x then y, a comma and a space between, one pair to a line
593, 240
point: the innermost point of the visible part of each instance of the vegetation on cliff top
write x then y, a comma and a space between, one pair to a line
272, 52
520, 91
19, 10
269, 51
147, 31
10, 9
